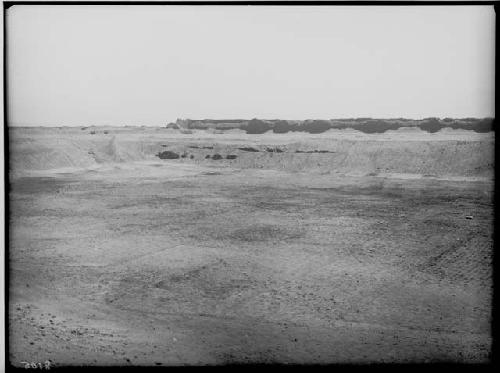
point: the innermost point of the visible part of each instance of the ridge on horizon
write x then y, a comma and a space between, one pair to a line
315, 126
408, 119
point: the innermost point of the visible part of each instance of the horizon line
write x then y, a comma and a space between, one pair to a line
243, 119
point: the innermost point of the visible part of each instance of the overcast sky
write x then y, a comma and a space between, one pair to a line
148, 65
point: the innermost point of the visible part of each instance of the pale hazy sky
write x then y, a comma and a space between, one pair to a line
148, 65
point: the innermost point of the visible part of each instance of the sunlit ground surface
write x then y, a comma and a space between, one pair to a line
167, 263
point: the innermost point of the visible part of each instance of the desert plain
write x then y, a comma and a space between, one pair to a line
148, 246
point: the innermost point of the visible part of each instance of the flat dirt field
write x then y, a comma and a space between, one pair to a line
376, 249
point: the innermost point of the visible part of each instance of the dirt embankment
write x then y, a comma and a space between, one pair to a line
433, 158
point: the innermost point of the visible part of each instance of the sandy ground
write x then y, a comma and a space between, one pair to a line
447, 153
171, 262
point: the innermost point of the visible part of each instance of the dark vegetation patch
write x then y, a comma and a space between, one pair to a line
315, 126
106, 132
283, 126
249, 149
92, 132
431, 125
365, 125
256, 126
377, 126
484, 126
231, 156
481, 126
216, 157
168, 155
163, 145
208, 156
184, 155
191, 156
